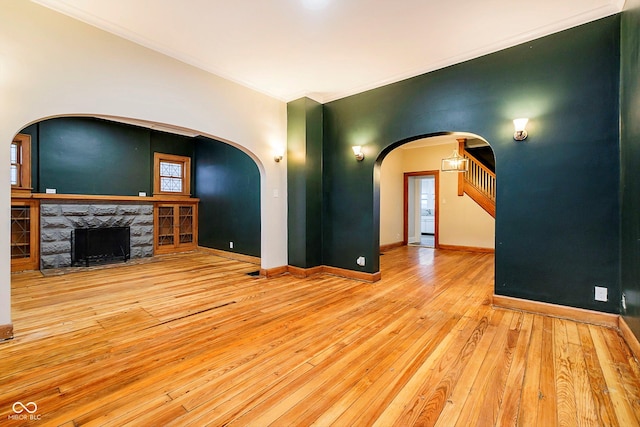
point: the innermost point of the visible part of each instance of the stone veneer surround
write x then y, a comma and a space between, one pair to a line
58, 219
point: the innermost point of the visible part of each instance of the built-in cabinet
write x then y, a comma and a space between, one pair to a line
25, 236
176, 226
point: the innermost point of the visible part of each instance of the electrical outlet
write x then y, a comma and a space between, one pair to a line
601, 294
230, 245
360, 261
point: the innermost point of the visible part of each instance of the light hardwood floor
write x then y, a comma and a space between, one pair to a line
191, 339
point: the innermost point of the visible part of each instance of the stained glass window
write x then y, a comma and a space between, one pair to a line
171, 177
172, 174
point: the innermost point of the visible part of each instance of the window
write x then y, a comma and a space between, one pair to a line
171, 177
21, 162
15, 163
172, 174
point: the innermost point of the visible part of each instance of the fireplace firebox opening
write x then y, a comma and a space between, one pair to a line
100, 245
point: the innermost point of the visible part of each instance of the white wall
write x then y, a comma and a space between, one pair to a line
52, 65
462, 221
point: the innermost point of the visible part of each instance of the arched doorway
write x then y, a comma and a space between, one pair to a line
459, 221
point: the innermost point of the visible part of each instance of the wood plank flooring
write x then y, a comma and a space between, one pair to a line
192, 340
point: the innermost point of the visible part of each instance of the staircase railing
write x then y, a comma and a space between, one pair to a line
479, 182
481, 177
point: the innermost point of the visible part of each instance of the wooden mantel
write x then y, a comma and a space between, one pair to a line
106, 198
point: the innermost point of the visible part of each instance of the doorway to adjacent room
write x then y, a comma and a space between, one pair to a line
421, 208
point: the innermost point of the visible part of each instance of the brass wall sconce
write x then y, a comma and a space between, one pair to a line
278, 155
521, 133
357, 150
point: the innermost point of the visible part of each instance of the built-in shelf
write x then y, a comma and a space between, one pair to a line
24, 234
176, 225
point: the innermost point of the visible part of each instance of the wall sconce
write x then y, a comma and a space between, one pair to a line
279, 155
357, 150
455, 163
521, 133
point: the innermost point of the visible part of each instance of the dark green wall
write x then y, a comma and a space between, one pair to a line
228, 185
82, 155
89, 156
630, 165
557, 223
304, 172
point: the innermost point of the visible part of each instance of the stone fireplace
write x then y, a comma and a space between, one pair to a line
59, 218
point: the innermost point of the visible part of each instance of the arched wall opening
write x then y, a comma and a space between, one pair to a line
461, 223
453, 221
113, 156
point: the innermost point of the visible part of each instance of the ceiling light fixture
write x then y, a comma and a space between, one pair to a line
455, 163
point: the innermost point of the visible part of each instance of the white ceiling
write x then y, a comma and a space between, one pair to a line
328, 49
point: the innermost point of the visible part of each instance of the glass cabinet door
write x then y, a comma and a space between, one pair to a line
185, 218
165, 226
176, 227
25, 235
20, 232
